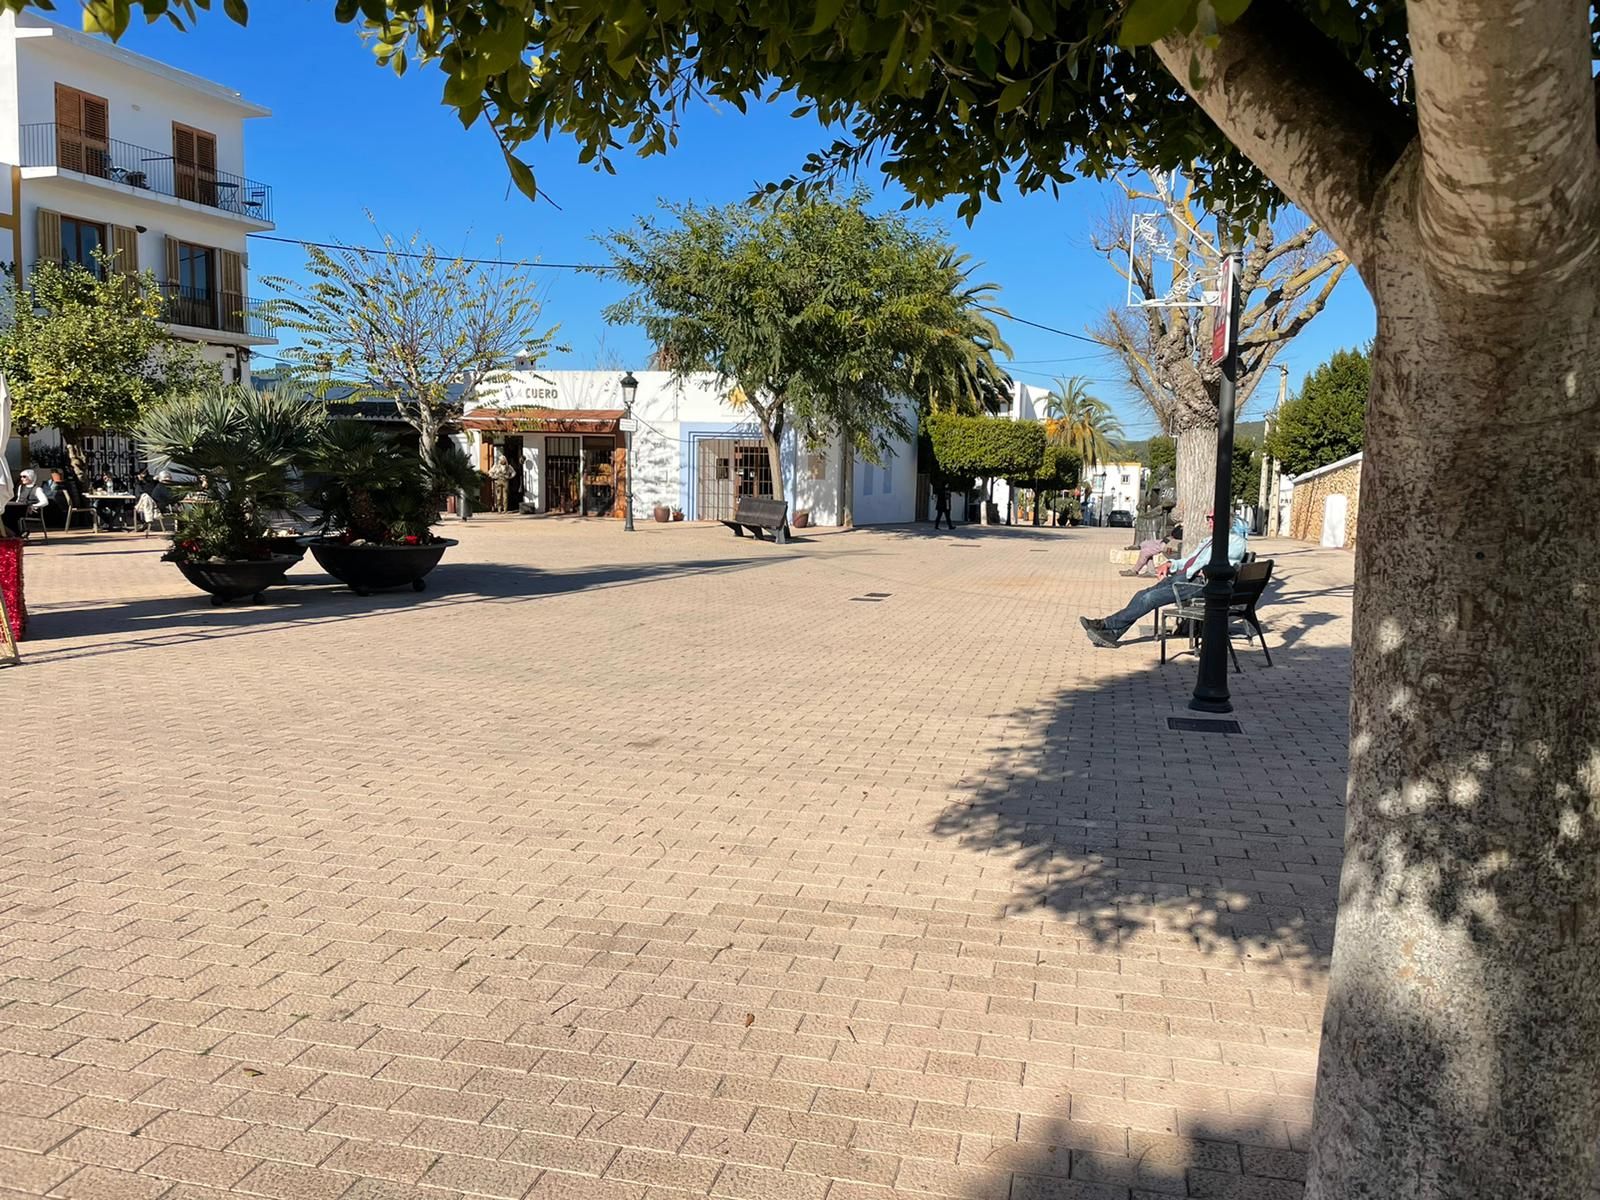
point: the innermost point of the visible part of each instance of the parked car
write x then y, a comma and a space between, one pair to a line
1121, 517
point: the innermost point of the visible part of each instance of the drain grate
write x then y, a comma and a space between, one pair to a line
1201, 725
872, 597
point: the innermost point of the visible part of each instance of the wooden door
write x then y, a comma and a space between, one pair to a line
83, 132
194, 164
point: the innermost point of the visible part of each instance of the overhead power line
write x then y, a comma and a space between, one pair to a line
601, 268
490, 262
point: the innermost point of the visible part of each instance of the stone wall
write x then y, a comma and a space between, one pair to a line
1305, 514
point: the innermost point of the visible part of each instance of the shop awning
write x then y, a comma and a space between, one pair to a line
543, 420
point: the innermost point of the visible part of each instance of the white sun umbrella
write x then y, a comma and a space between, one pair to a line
7, 485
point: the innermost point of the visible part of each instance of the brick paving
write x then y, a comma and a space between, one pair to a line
661, 865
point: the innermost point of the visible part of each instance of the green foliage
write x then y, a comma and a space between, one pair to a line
988, 447
948, 98
1161, 451
1327, 420
1059, 468
83, 353
407, 324
820, 314
373, 485
246, 447
1246, 471
1083, 423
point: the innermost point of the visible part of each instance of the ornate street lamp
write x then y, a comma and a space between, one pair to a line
630, 391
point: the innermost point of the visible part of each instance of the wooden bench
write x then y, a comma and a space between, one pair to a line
757, 513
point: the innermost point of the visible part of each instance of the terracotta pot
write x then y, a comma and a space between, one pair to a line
677, 516
801, 519
662, 513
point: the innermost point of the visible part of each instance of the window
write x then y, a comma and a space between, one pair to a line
194, 163
866, 479
194, 271
80, 240
83, 140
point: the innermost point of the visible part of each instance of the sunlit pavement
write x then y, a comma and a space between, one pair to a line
661, 864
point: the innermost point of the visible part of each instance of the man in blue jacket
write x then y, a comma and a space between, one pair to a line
1107, 630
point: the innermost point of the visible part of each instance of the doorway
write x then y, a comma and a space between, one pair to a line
563, 468
513, 451
599, 476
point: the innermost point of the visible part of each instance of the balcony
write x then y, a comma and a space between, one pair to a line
226, 312
47, 144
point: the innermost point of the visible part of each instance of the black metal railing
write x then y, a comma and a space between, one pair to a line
47, 144
226, 311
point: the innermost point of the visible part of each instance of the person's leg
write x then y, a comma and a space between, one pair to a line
1145, 601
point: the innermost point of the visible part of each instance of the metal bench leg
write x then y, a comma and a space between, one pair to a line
781, 535
1262, 634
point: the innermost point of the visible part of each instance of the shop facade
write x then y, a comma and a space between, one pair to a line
695, 450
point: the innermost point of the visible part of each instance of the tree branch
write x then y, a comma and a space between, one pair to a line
1302, 112
1510, 178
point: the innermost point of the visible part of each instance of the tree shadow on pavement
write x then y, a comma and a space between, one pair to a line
1123, 826
310, 596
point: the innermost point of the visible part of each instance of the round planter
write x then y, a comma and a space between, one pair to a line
662, 513
233, 580
801, 520
376, 568
677, 516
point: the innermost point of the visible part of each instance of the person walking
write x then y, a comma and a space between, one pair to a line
942, 507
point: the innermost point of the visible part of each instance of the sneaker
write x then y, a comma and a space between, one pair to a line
1127, 571
1097, 632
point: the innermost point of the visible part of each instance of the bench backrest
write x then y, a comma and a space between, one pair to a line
766, 511
1251, 581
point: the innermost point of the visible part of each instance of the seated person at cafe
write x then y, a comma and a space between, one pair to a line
1175, 581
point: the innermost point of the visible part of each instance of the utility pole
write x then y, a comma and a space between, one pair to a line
1266, 499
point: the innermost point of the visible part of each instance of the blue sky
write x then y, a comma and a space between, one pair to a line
347, 136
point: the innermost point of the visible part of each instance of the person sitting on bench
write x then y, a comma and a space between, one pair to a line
1106, 631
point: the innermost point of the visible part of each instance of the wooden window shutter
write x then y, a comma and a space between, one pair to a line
183, 162
232, 267
194, 155
69, 128
172, 264
125, 251
83, 131
49, 236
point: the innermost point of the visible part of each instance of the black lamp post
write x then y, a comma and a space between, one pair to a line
1211, 687
630, 390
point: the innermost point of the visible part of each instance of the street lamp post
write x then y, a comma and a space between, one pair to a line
630, 391
1211, 687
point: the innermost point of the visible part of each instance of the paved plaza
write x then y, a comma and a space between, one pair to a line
662, 865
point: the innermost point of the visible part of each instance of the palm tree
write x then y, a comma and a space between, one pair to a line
956, 372
1084, 424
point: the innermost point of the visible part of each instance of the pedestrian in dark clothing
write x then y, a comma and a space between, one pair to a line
942, 508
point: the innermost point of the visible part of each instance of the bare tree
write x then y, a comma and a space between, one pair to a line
1288, 272
409, 324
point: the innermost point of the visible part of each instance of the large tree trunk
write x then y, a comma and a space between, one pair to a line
1196, 482
773, 436
1461, 1044
77, 460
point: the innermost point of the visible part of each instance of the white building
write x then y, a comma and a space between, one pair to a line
694, 450
107, 149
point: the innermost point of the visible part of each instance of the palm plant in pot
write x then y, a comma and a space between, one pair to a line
241, 449
379, 504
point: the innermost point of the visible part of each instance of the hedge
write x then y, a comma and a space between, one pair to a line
988, 447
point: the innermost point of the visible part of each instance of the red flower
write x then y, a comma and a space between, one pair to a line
411, 539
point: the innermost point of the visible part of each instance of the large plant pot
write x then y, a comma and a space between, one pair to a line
377, 568
234, 580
